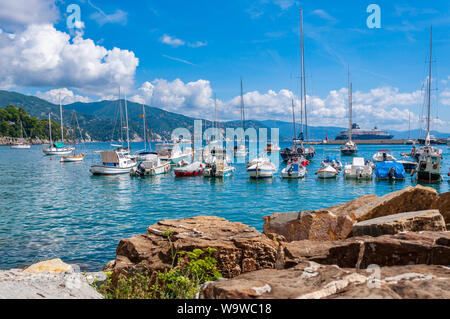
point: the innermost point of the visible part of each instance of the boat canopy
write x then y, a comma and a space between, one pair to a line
59, 145
382, 169
110, 157
358, 161
329, 159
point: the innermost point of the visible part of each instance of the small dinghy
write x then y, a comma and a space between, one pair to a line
327, 172
390, 170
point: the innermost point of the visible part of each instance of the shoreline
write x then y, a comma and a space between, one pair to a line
402, 233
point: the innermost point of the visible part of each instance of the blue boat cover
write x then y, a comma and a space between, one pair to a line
59, 145
382, 169
329, 159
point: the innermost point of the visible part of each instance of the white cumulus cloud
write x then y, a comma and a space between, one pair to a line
67, 96
41, 56
16, 15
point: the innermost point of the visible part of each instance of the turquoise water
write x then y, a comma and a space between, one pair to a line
49, 209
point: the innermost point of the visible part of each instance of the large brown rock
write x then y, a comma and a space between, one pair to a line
333, 223
314, 281
410, 199
444, 206
239, 248
432, 248
336, 222
430, 220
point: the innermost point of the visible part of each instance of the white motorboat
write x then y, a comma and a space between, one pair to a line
74, 158
359, 169
171, 152
114, 163
295, 169
151, 166
383, 155
219, 168
20, 145
327, 172
261, 168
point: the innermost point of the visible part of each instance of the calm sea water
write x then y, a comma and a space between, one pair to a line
49, 209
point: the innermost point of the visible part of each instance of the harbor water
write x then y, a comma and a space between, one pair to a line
50, 209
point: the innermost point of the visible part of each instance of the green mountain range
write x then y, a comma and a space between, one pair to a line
100, 120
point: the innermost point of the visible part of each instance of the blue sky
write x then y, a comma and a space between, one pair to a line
198, 48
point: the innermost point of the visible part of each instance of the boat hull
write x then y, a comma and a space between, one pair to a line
107, 170
348, 152
72, 159
57, 152
427, 177
20, 146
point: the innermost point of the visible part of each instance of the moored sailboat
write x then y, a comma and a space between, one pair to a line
118, 161
350, 147
20, 145
74, 157
429, 157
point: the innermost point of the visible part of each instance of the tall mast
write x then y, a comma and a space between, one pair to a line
145, 131
21, 130
121, 119
409, 124
61, 116
126, 119
242, 107
350, 105
427, 139
303, 73
293, 121
74, 132
215, 111
50, 129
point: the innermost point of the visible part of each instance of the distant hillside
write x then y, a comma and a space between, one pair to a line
11, 119
99, 120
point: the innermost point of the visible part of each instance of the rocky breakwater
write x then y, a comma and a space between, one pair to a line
239, 248
5, 140
394, 246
